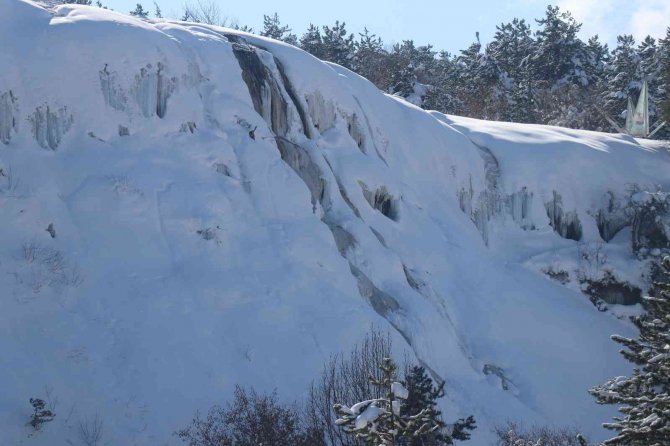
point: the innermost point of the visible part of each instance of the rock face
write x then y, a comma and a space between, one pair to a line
565, 223
49, 125
230, 210
8, 114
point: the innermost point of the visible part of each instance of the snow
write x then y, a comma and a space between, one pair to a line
399, 390
187, 262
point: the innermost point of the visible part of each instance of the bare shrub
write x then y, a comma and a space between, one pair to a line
46, 266
91, 430
204, 11
250, 420
592, 260
346, 380
515, 434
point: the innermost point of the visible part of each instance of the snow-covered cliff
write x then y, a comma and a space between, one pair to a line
228, 209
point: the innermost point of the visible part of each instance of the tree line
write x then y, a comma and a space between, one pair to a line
546, 75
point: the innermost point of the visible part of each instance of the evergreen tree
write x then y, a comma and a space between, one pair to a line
510, 50
645, 395
621, 77
413, 70
371, 60
649, 69
559, 54
559, 70
383, 421
273, 28
338, 45
441, 93
664, 93
140, 12
312, 42
597, 60
476, 80
424, 393
158, 13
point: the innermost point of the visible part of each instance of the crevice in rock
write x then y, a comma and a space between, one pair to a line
49, 126
321, 112
612, 218
355, 131
369, 127
188, 127
381, 200
343, 239
111, 89
152, 90
223, 169
8, 113
412, 281
343, 191
519, 205
294, 98
565, 224
379, 237
383, 303
505, 382
612, 291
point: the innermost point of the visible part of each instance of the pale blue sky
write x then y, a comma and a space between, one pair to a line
447, 24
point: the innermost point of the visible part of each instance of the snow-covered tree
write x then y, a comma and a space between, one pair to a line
371, 60
140, 12
664, 57
273, 28
621, 77
382, 421
422, 393
412, 71
338, 44
559, 54
644, 396
312, 42
441, 94
510, 52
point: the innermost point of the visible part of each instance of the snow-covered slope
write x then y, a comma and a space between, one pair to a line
228, 209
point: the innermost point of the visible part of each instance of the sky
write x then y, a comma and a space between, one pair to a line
447, 24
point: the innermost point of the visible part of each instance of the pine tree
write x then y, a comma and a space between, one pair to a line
140, 12
412, 71
312, 42
371, 60
158, 13
559, 54
510, 50
383, 421
441, 93
645, 395
424, 393
663, 93
273, 29
476, 80
338, 45
621, 77
40, 413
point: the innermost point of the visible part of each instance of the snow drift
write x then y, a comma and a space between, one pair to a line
185, 207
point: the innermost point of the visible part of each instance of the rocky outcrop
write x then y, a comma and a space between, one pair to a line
565, 223
50, 125
8, 116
